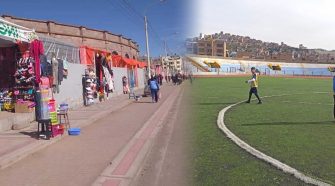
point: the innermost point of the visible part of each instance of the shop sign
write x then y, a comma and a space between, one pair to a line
14, 32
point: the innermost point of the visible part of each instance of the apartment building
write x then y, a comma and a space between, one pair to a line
172, 64
208, 46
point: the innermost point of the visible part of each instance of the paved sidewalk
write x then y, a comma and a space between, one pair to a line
80, 160
17, 144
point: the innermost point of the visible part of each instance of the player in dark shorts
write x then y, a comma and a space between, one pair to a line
254, 85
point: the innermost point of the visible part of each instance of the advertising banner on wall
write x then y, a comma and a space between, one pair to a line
15, 32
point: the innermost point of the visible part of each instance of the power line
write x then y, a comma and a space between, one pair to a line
125, 12
132, 8
137, 13
132, 14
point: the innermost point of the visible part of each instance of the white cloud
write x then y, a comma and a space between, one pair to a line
308, 22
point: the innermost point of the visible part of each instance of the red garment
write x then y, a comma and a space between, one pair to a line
37, 49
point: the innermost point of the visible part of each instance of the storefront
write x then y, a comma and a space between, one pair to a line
17, 70
29, 79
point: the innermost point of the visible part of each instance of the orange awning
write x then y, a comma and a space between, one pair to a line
116, 60
142, 64
87, 54
130, 62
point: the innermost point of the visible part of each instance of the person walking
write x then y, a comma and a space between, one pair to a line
125, 85
160, 76
154, 88
253, 85
190, 77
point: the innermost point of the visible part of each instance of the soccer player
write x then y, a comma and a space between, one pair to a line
253, 85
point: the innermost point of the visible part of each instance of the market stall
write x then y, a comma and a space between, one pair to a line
26, 75
132, 67
98, 80
17, 70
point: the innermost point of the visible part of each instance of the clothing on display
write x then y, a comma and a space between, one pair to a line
24, 91
46, 67
37, 49
60, 71
55, 68
89, 87
109, 80
65, 68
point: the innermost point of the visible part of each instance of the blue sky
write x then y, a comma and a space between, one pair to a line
166, 18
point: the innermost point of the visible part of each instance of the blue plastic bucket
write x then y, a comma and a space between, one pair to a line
74, 131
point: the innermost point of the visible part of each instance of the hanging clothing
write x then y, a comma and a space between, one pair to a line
60, 71
37, 49
65, 68
55, 83
108, 77
46, 67
98, 67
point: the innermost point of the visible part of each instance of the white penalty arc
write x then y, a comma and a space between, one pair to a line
276, 163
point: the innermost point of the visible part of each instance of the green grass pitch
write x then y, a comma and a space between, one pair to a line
297, 129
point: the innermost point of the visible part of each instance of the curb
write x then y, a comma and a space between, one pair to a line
258, 154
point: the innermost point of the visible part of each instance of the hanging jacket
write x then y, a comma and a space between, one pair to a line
60, 71
45, 66
36, 49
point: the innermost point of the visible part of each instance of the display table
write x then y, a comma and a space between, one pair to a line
63, 118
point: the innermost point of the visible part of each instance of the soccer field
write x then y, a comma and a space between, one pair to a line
296, 128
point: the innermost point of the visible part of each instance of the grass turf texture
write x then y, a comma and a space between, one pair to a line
289, 128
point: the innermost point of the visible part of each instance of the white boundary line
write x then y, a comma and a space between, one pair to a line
285, 168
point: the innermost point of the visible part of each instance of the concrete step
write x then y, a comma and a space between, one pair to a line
15, 121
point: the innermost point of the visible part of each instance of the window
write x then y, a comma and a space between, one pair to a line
127, 56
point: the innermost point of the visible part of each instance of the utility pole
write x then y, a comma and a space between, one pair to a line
147, 45
165, 48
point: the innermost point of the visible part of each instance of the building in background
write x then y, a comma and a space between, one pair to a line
228, 45
172, 64
209, 45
